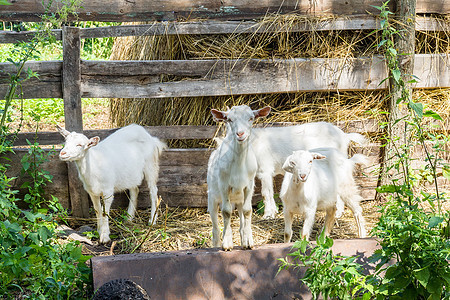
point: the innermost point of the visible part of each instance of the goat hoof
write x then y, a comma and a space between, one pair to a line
269, 216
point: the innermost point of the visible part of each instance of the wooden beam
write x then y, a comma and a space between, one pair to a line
169, 10
73, 115
183, 132
226, 27
134, 79
71, 74
241, 77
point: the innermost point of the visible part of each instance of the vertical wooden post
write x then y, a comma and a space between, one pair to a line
405, 14
71, 75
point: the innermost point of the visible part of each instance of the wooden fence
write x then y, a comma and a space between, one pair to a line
183, 171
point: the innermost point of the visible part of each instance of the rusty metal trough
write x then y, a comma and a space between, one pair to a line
216, 274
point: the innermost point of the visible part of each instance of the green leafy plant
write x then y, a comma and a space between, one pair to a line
37, 178
413, 229
34, 262
328, 275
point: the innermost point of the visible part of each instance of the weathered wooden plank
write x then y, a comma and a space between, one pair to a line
72, 79
24, 36
187, 132
35, 88
233, 77
183, 132
73, 115
47, 85
167, 10
50, 68
239, 77
365, 22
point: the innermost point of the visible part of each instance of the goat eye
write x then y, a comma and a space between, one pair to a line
79, 145
292, 164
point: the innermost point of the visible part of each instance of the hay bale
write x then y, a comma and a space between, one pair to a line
295, 107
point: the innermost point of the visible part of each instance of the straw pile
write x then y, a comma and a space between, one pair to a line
186, 228
294, 107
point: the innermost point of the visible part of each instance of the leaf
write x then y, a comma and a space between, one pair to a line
422, 276
434, 286
435, 221
432, 114
328, 243
401, 282
386, 189
418, 108
4, 2
396, 74
394, 53
446, 173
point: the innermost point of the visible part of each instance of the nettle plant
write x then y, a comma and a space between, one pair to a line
414, 228
34, 262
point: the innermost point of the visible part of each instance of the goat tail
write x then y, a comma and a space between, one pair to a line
360, 159
160, 147
358, 138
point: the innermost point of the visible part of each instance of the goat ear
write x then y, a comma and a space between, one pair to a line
262, 112
318, 156
287, 166
93, 142
219, 115
62, 131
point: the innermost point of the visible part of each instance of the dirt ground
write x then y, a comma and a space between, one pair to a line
187, 228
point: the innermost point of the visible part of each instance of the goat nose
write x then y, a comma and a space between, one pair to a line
303, 176
63, 153
240, 133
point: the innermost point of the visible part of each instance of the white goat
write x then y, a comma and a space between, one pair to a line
118, 163
231, 173
313, 181
272, 145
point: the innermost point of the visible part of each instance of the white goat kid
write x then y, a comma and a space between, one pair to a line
118, 163
273, 145
313, 181
231, 173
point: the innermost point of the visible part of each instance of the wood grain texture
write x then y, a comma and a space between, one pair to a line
241, 77
183, 132
134, 79
169, 10
73, 115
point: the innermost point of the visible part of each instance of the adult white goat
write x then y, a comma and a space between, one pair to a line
272, 145
314, 179
118, 163
231, 173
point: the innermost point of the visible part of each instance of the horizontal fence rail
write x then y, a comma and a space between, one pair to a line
180, 132
171, 10
139, 79
229, 27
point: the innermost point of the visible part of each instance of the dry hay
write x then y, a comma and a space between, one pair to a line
188, 228
295, 107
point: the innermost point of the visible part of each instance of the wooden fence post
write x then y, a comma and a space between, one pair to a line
71, 82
